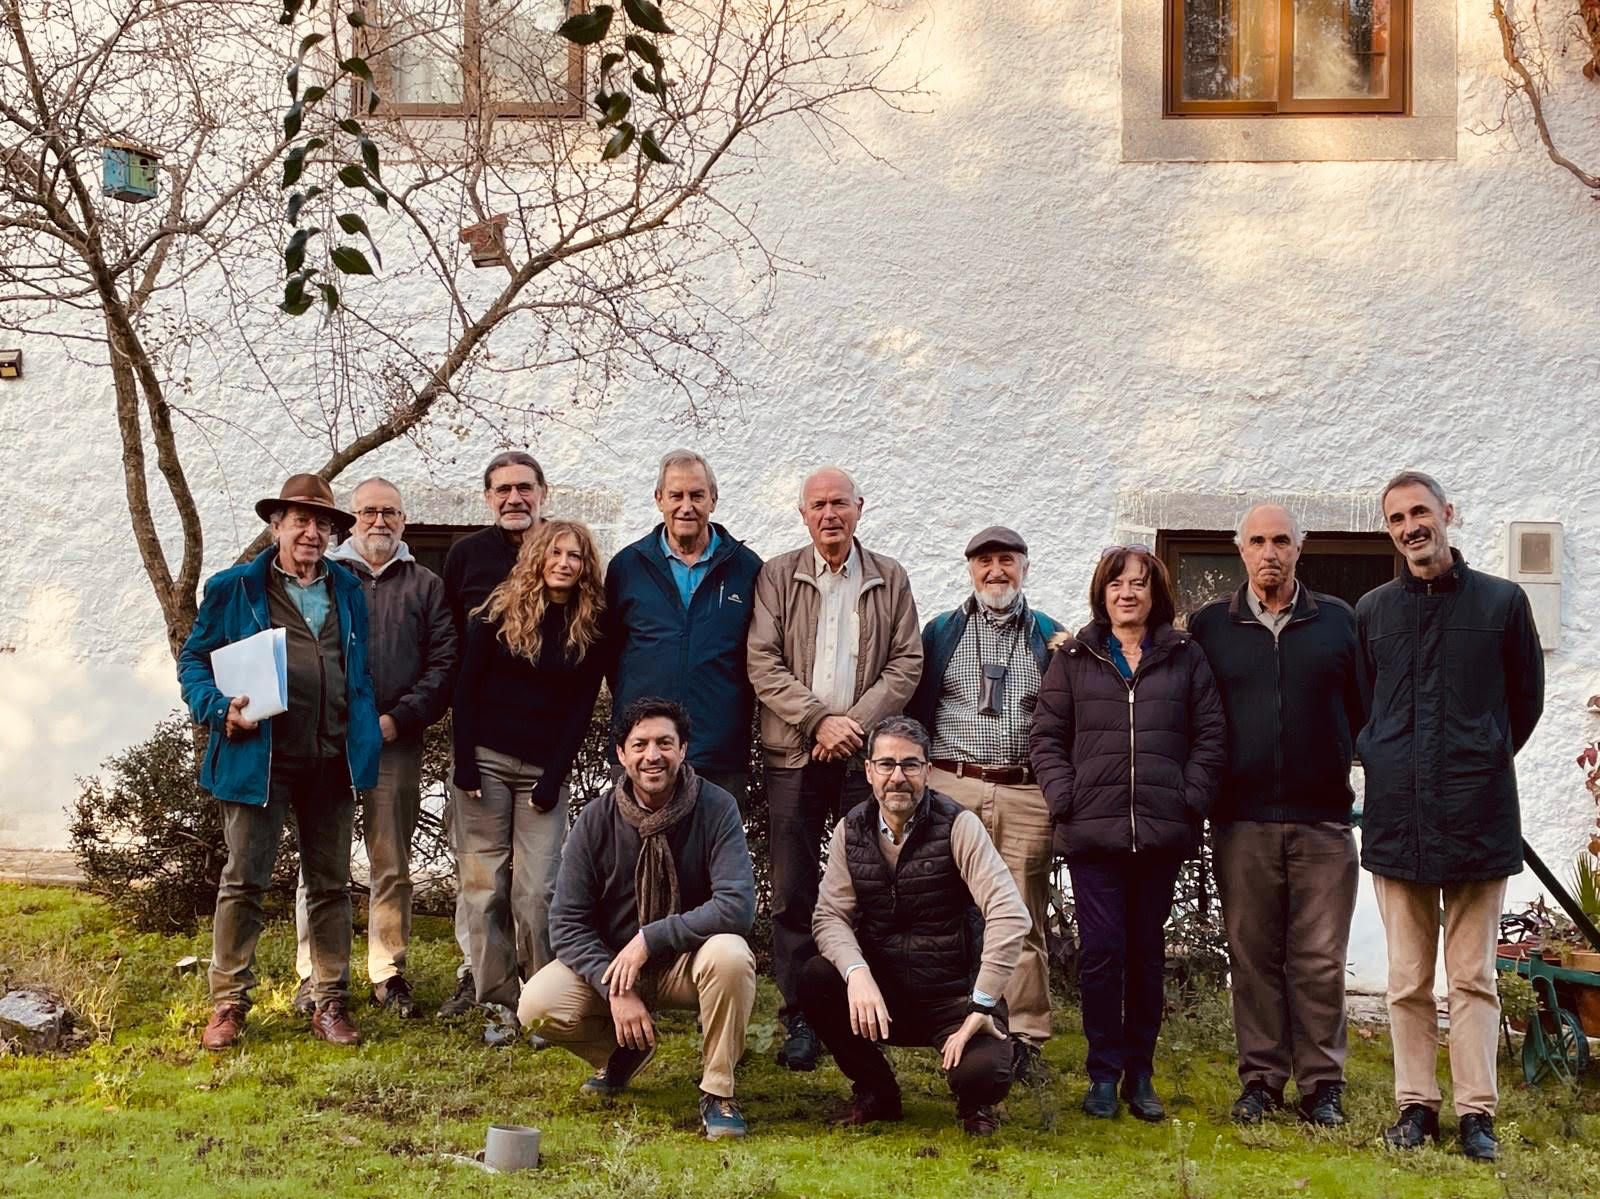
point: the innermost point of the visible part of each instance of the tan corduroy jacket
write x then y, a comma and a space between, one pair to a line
783, 641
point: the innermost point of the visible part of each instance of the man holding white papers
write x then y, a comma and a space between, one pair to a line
305, 760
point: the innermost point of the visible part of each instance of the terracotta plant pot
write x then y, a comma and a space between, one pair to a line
1584, 959
1587, 1005
1516, 951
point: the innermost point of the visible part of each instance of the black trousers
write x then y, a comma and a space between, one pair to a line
982, 1076
1122, 903
805, 802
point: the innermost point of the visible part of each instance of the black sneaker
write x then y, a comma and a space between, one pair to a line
1027, 1062
1255, 1102
1417, 1123
1477, 1137
1324, 1107
800, 1048
394, 994
305, 1000
618, 1072
463, 1001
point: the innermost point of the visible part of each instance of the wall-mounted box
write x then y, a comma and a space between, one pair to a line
10, 364
1534, 555
129, 172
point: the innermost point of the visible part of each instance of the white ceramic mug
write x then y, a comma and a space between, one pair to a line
511, 1147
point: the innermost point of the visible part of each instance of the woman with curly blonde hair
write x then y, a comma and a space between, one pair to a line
531, 666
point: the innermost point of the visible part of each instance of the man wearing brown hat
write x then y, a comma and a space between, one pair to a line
307, 760
982, 664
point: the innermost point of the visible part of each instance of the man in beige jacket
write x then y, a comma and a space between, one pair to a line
834, 647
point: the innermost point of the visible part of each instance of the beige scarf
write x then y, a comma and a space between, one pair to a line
655, 877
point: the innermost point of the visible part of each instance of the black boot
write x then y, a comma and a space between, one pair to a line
1101, 1101
1477, 1137
1143, 1102
1417, 1123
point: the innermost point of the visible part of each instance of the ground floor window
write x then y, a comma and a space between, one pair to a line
1205, 565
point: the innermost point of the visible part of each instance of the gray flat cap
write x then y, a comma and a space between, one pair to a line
996, 537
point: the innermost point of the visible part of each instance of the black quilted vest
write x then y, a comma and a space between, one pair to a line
918, 926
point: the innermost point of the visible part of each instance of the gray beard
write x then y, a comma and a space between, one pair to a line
1005, 603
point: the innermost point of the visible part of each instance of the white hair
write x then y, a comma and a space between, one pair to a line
685, 458
1295, 531
855, 492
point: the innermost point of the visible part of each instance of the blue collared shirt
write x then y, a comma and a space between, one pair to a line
689, 577
312, 600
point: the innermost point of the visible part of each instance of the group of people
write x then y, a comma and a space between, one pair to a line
953, 763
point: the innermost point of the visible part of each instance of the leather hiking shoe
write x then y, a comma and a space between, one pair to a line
800, 1048
1101, 1100
225, 1027
463, 1001
1477, 1137
1027, 1063
1142, 1100
868, 1107
620, 1069
305, 1000
721, 1119
1324, 1107
394, 994
1254, 1103
1417, 1123
980, 1122
332, 1024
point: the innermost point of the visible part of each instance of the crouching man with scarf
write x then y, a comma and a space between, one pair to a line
652, 903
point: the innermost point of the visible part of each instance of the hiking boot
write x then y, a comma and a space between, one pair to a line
501, 1026
1140, 1095
720, 1118
1477, 1137
305, 999
1417, 1123
800, 1048
620, 1069
332, 1024
1027, 1062
980, 1122
1255, 1102
1324, 1107
867, 1107
1100, 1101
463, 1001
395, 995
225, 1027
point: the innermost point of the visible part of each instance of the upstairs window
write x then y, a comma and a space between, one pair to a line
1277, 57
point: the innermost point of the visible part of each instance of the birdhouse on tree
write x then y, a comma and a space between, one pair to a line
486, 241
129, 172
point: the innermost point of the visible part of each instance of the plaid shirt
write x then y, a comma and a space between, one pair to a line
960, 732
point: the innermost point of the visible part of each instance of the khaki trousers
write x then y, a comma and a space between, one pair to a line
1411, 923
718, 980
1018, 822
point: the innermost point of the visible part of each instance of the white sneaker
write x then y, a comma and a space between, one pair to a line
501, 1026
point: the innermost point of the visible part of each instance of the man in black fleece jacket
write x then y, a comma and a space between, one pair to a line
1288, 664
652, 903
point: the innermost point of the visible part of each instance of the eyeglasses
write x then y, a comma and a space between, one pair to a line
504, 490
1135, 548
910, 766
371, 514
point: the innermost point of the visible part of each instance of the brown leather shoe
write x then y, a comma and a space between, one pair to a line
868, 1108
332, 1023
225, 1027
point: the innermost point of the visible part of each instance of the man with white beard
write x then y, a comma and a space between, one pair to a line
982, 664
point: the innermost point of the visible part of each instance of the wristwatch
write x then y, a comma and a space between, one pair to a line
983, 1009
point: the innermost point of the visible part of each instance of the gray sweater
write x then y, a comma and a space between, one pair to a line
595, 912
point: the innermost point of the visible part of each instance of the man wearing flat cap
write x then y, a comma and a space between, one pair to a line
982, 664
306, 761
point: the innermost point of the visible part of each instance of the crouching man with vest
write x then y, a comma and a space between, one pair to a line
918, 927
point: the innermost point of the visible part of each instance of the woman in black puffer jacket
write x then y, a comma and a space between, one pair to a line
1127, 744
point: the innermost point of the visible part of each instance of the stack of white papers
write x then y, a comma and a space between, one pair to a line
257, 667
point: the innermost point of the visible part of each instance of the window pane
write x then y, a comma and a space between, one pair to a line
1347, 575
1341, 49
1230, 49
1203, 577
523, 61
425, 59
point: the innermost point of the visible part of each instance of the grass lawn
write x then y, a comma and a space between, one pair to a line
145, 1111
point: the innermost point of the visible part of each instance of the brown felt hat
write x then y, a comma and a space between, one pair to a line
996, 537
307, 491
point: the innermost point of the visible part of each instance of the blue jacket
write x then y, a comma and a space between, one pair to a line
942, 634
693, 656
235, 607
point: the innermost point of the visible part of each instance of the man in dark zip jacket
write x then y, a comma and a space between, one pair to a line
1288, 665
678, 603
1457, 688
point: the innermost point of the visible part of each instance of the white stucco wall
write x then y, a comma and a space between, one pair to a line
1006, 323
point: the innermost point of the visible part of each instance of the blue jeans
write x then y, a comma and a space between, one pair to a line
1122, 904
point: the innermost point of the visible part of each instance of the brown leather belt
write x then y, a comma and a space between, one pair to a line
1006, 775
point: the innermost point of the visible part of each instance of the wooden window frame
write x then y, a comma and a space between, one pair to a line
1172, 543
471, 105
1398, 103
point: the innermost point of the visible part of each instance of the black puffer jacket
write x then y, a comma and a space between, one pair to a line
1128, 767
1457, 687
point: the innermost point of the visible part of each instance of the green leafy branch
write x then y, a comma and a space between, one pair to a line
639, 61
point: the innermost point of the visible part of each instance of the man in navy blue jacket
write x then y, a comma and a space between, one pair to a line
680, 600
